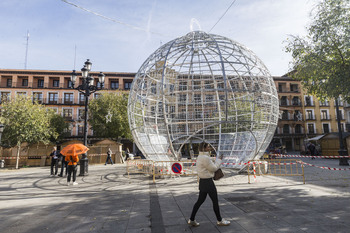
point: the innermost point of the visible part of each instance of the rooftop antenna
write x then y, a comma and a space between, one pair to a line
26, 56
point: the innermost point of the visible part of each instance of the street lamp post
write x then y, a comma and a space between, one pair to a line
342, 151
86, 88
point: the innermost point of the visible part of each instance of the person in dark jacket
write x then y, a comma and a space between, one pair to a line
64, 164
54, 160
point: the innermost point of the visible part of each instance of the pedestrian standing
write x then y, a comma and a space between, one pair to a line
64, 164
206, 169
72, 168
54, 161
109, 156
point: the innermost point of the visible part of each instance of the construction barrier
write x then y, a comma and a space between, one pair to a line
160, 169
275, 167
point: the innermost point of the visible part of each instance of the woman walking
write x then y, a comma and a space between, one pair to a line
206, 169
72, 168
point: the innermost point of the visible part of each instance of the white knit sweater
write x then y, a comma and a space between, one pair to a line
205, 165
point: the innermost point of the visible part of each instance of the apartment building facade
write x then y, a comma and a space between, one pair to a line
301, 116
304, 116
53, 89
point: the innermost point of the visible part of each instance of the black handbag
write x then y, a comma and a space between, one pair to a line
218, 174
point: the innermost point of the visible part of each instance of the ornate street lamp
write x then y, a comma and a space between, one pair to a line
86, 88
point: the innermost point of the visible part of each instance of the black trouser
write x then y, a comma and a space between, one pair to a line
72, 169
54, 162
64, 164
110, 159
207, 186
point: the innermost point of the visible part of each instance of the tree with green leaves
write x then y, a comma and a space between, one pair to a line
25, 121
59, 125
321, 60
108, 116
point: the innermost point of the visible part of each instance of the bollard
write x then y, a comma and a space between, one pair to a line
2, 163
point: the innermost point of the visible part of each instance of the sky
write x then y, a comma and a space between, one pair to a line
119, 35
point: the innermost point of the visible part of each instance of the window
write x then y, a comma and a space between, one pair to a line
114, 84
68, 98
5, 96
297, 115
80, 130
221, 86
285, 115
308, 101
310, 115
25, 82
325, 128
198, 114
294, 88
40, 83
67, 113
208, 85
9, 82
340, 114
197, 98
97, 95
296, 101
81, 98
183, 98
153, 88
311, 128
38, 97
285, 129
56, 83
81, 114
298, 129
127, 85
182, 86
324, 115
284, 100
69, 84
53, 98
196, 85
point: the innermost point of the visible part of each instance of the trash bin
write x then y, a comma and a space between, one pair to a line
2, 163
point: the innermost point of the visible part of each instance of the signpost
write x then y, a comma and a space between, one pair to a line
176, 168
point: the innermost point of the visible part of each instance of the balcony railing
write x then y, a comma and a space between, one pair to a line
325, 118
59, 101
310, 117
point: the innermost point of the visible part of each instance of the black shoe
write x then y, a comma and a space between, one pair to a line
60, 175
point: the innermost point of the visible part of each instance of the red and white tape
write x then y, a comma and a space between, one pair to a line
309, 156
328, 168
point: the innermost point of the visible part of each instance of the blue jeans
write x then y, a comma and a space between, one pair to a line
110, 159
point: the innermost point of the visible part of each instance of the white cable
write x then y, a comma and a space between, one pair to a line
223, 15
108, 18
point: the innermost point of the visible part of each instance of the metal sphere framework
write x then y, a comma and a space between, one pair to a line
203, 87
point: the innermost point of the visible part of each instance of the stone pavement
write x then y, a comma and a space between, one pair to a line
108, 201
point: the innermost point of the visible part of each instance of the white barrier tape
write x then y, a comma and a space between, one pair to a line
309, 156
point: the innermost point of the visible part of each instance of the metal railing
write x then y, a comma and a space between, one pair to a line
275, 167
160, 169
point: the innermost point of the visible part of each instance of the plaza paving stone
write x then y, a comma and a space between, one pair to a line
108, 201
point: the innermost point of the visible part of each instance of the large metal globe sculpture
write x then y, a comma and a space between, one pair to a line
203, 87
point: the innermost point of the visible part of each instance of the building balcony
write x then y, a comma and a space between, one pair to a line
58, 101
325, 118
309, 104
310, 118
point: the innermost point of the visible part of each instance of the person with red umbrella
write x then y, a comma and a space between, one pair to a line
71, 152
